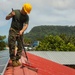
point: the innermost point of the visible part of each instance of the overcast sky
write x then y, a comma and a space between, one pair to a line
44, 12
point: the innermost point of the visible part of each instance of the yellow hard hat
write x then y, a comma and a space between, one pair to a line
27, 7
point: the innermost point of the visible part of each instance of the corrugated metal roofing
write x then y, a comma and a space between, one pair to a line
45, 67
48, 67
66, 58
4, 58
10, 70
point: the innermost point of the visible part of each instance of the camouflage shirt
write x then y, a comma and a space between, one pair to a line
18, 20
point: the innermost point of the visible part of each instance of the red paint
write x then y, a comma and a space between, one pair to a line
45, 67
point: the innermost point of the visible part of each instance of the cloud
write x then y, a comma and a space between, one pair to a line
62, 4
51, 12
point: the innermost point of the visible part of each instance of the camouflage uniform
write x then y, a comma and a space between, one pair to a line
13, 37
17, 24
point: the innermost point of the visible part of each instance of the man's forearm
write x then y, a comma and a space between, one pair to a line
8, 17
25, 27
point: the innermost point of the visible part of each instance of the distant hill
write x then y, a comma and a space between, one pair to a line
38, 32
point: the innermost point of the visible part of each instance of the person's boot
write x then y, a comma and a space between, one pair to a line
14, 64
18, 63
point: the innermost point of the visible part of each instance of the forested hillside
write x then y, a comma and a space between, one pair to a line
39, 32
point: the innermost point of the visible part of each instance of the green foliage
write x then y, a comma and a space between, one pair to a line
2, 43
27, 40
55, 43
50, 43
2, 38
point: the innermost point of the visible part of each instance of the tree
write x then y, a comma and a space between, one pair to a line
56, 43
50, 43
27, 40
2, 43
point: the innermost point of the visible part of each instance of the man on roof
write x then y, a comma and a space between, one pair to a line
20, 21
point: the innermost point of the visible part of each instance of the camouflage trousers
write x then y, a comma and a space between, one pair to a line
14, 39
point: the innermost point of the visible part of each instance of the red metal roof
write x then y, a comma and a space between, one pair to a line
45, 67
